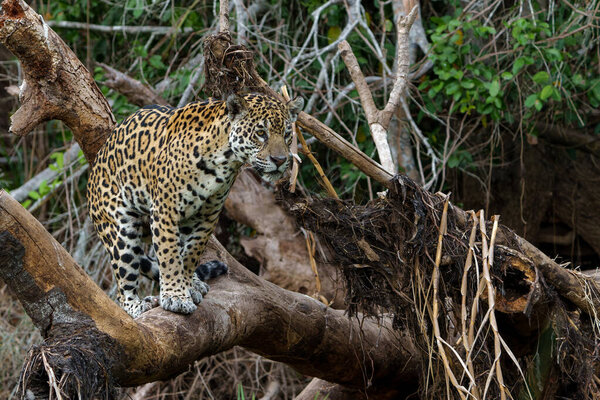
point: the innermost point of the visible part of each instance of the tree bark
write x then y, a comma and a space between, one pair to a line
56, 85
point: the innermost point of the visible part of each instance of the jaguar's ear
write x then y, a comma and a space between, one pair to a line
294, 107
236, 106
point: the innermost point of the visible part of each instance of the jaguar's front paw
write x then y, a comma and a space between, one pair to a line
196, 296
151, 302
177, 303
136, 307
199, 285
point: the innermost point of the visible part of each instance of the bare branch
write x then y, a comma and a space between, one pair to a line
134, 90
160, 30
48, 175
403, 58
224, 16
366, 98
379, 120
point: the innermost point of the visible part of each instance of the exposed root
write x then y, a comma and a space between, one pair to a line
480, 310
69, 365
228, 67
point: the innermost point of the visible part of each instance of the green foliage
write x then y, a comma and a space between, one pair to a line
474, 79
509, 71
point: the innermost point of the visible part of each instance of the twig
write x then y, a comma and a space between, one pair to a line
136, 92
187, 93
487, 254
161, 30
463, 290
307, 153
48, 175
436, 327
310, 247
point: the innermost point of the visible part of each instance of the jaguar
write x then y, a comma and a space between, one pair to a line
163, 176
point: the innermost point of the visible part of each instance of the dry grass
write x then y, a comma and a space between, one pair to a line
17, 334
221, 377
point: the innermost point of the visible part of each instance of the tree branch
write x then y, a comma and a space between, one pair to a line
379, 120
161, 30
136, 92
241, 309
48, 70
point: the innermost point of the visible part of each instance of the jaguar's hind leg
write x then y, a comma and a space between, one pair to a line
123, 237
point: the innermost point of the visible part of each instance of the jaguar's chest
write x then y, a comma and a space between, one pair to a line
206, 190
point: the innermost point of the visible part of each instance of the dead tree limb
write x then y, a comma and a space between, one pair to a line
135, 91
379, 120
48, 87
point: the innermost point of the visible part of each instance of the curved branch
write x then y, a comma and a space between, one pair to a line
48, 90
241, 309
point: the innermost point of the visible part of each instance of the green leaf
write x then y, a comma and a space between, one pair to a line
34, 195
156, 62
388, 26
453, 161
530, 100
538, 105
506, 75
546, 92
467, 84
541, 77
519, 63
58, 159
452, 88
138, 12
553, 54
494, 88
44, 188
333, 33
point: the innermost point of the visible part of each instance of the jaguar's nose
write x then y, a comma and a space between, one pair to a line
278, 160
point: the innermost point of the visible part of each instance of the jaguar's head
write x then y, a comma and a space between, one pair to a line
261, 132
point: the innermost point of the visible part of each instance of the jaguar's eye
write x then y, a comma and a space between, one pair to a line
262, 134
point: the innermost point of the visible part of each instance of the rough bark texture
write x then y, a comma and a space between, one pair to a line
56, 85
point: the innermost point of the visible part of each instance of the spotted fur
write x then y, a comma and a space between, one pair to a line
164, 173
